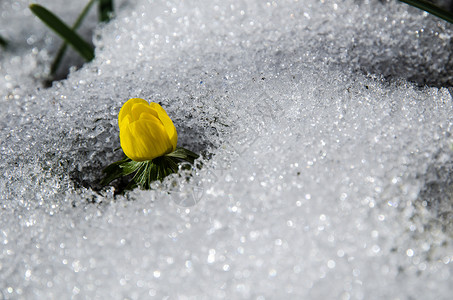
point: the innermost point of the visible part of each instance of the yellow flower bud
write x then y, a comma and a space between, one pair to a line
146, 131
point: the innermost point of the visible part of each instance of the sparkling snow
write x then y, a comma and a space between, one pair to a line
327, 168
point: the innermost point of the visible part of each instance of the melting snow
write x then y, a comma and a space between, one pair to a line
325, 129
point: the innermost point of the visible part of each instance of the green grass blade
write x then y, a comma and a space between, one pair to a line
69, 35
3, 42
431, 8
83, 14
56, 62
105, 10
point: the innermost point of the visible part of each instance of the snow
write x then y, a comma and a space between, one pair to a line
325, 129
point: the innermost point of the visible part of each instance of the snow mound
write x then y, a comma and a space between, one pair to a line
326, 167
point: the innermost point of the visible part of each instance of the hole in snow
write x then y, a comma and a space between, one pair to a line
87, 168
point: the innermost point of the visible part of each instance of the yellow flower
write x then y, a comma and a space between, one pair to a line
146, 131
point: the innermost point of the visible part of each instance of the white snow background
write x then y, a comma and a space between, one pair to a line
325, 129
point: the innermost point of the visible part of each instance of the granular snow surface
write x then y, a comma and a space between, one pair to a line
325, 133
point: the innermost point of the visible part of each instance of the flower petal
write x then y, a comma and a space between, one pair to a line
127, 107
142, 108
146, 131
168, 124
145, 139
